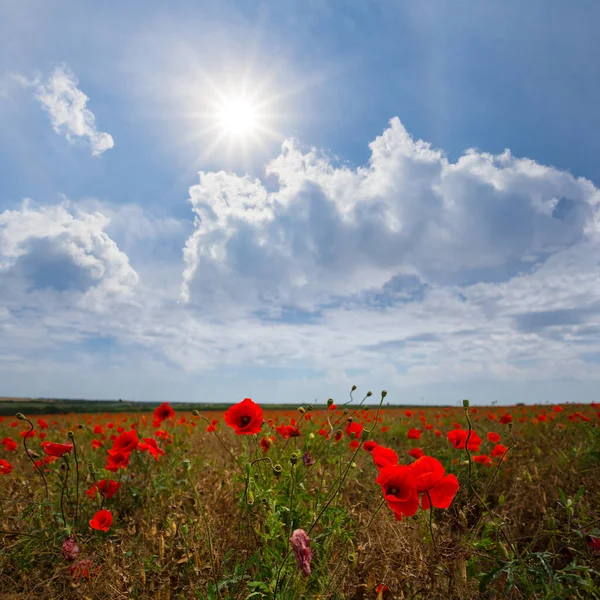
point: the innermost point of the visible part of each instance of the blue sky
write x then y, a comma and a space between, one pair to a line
416, 208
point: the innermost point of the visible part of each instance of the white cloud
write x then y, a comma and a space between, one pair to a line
415, 273
62, 250
66, 104
332, 231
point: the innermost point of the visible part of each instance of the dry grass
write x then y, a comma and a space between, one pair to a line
157, 547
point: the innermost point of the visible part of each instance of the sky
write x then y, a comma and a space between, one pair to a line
206, 201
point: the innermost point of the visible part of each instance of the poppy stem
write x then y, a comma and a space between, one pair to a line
207, 527
466, 407
62, 491
76, 480
374, 515
431, 522
214, 432
38, 469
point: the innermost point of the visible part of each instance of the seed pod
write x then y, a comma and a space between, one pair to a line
161, 547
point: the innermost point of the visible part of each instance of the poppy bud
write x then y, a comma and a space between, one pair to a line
369, 394
345, 411
71, 434
80, 426
465, 403
383, 393
250, 497
20, 416
329, 402
301, 547
70, 549
353, 387
293, 458
91, 468
195, 413
309, 407
301, 410
186, 464
364, 435
277, 469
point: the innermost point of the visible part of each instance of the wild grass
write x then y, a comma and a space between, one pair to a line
213, 516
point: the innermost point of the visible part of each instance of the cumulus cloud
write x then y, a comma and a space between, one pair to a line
66, 105
62, 250
412, 270
331, 231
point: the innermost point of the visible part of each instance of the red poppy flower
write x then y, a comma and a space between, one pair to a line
28, 434
414, 434
164, 411
399, 489
416, 453
499, 450
432, 483
55, 449
42, 424
593, 542
483, 459
557, 408
333, 407
96, 444
493, 437
369, 445
106, 487
353, 429
102, 520
506, 418
9, 443
354, 444
265, 444
151, 446
5, 467
126, 442
245, 417
117, 460
384, 457
458, 438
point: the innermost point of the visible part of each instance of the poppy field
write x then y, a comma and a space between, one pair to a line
352, 500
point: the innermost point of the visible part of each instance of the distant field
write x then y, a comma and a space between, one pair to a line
55, 406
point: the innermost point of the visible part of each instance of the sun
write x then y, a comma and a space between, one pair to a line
238, 117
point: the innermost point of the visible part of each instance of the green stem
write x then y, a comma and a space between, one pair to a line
431, 522
62, 491
38, 469
76, 482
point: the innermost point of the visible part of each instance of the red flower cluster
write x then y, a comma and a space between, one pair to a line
9, 443
5, 467
404, 487
105, 487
